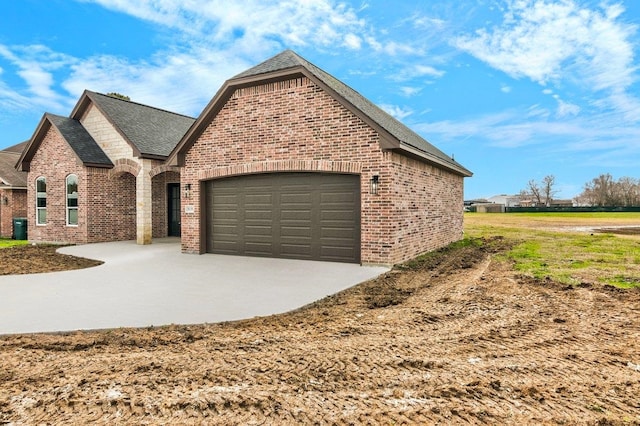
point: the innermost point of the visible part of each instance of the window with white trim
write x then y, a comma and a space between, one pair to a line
72, 200
41, 201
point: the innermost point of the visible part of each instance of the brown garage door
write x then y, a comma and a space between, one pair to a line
292, 215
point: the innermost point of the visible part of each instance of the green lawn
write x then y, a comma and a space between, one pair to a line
547, 245
5, 242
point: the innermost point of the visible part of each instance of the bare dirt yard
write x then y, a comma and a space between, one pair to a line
458, 338
39, 258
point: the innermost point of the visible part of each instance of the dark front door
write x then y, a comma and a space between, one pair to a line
173, 195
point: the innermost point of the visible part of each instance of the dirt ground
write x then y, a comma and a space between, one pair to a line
458, 338
40, 258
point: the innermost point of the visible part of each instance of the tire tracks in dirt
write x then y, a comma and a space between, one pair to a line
458, 338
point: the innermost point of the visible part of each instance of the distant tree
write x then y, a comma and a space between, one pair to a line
627, 191
600, 191
534, 190
548, 188
119, 96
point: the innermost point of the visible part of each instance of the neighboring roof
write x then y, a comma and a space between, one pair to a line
151, 132
80, 141
17, 148
288, 63
9, 176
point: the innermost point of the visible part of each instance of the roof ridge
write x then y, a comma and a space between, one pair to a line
139, 104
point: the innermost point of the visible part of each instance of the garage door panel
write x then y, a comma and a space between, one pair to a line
292, 215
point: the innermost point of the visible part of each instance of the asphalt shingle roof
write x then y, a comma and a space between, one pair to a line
18, 147
8, 174
151, 130
289, 59
85, 147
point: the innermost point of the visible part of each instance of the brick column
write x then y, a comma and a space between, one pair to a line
144, 205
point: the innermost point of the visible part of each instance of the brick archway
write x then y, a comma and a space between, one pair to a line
125, 165
281, 166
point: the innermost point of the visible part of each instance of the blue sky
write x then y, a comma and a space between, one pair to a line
514, 89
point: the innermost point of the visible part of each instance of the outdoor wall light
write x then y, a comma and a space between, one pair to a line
187, 190
374, 183
5, 200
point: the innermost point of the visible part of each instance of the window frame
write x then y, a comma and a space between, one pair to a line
38, 198
68, 197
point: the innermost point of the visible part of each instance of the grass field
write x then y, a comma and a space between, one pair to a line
565, 247
5, 242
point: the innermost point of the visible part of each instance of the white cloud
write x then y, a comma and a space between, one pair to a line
294, 23
566, 109
35, 65
352, 41
177, 81
396, 111
410, 91
414, 71
551, 41
505, 89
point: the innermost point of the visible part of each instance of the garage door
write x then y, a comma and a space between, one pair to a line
312, 216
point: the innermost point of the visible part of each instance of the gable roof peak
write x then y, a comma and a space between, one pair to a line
152, 132
283, 60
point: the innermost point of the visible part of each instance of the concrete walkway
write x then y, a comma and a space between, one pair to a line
140, 286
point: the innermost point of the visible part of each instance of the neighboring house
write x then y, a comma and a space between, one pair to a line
287, 161
13, 189
100, 174
561, 203
505, 200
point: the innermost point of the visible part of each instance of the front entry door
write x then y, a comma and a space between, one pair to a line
173, 196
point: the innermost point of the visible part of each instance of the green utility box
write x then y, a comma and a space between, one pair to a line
19, 228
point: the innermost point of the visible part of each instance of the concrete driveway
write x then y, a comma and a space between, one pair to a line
140, 286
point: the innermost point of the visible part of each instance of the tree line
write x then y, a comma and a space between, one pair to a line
602, 191
605, 191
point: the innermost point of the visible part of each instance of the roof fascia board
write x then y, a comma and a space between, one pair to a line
425, 157
177, 156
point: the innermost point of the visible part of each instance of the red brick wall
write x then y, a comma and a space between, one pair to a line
295, 125
106, 203
55, 160
112, 197
16, 207
160, 218
427, 207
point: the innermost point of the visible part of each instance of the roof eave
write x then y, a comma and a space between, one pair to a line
98, 165
432, 159
152, 156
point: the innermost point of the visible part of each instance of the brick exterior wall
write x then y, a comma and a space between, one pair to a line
112, 200
107, 198
295, 126
16, 206
55, 160
427, 207
108, 204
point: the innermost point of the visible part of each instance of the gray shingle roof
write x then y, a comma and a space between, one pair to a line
152, 131
18, 147
85, 147
289, 59
9, 176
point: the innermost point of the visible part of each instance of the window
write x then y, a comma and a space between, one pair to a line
72, 200
41, 201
